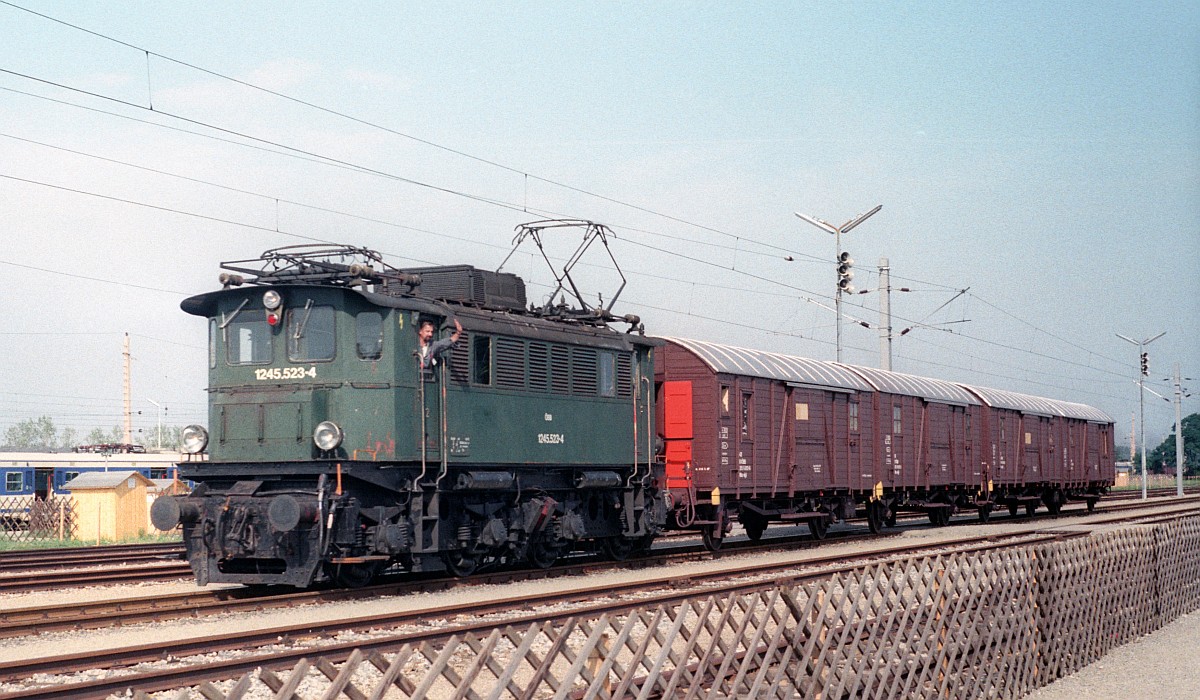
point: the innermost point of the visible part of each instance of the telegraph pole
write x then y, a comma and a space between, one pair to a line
1144, 359
842, 260
128, 402
885, 315
1178, 433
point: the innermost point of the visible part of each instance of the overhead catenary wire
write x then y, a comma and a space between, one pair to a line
323, 159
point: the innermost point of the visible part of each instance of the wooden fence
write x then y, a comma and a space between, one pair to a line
29, 519
993, 625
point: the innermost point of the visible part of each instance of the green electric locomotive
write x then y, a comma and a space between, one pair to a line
338, 448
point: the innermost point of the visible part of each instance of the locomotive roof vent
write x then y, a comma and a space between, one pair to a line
465, 284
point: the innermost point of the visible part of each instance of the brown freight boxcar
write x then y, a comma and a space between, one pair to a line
1042, 451
763, 437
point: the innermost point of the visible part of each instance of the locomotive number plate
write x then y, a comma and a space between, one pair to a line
267, 373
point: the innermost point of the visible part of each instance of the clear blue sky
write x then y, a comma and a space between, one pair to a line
1044, 155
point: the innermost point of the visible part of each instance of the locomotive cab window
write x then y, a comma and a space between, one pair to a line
212, 343
608, 374
14, 481
368, 335
248, 338
311, 333
481, 360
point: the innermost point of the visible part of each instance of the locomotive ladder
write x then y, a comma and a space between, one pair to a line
426, 504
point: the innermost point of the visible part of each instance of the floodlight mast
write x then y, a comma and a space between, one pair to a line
837, 232
1142, 397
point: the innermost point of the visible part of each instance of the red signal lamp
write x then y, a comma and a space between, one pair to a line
272, 318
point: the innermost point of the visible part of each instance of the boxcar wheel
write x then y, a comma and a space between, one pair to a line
877, 515
1091, 505
939, 517
819, 527
754, 527
985, 513
1054, 504
1030, 508
1013, 508
713, 537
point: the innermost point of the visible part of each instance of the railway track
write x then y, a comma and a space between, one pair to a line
438, 622
125, 611
414, 626
67, 557
50, 569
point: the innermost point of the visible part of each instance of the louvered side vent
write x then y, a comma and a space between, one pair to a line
460, 359
583, 372
510, 363
624, 375
560, 370
539, 367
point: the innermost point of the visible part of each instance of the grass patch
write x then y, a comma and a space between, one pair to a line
13, 545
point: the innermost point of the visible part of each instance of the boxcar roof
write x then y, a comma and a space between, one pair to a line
727, 359
998, 398
911, 385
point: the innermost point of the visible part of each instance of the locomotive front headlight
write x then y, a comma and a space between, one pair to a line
271, 299
195, 439
327, 436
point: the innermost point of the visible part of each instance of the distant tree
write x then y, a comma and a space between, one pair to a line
67, 439
32, 435
100, 436
1162, 459
171, 436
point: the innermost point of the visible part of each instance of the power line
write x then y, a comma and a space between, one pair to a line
383, 128
316, 157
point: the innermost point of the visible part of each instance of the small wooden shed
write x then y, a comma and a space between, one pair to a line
109, 505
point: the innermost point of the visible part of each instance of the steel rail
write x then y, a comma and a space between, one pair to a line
755, 577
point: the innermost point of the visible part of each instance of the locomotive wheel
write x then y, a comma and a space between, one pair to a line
543, 554
352, 575
460, 564
985, 513
618, 548
713, 537
877, 515
819, 527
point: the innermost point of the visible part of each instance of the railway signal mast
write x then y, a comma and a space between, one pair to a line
845, 265
1144, 359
